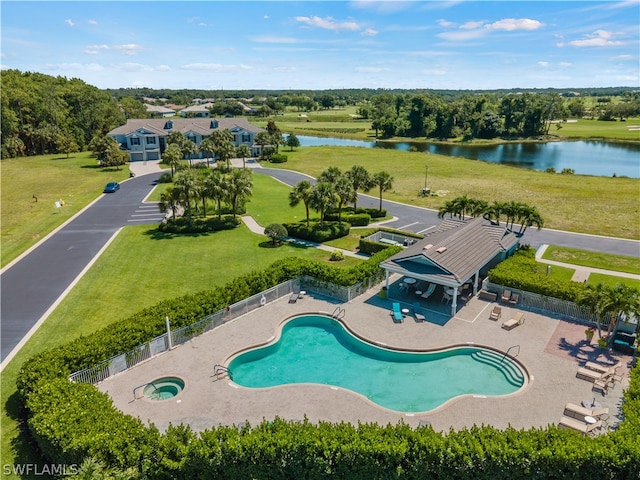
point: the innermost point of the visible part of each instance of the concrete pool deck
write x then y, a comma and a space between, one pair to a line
551, 349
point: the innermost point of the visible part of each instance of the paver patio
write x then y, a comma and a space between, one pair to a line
208, 401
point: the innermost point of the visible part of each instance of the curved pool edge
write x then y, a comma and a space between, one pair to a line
528, 378
174, 398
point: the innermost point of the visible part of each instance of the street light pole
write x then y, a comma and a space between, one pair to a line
426, 172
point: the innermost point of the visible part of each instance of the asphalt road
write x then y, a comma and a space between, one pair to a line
32, 285
421, 220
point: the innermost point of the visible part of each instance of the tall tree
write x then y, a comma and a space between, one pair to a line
169, 201
292, 141
322, 198
360, 179
185, 184
239, 187
172, 155
344, 193
301, 193
225, 152
216, 189
243, 152
384, 181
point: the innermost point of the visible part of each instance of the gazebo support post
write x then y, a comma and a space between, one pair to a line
454, 302
386, 280
475, 282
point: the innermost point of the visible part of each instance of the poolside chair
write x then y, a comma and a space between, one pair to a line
582, 427
606, 370
513, 300
590, 375
294, 297
602, 385
518, 319
506, 295
496, 313
416, 313
398, 317
576, 411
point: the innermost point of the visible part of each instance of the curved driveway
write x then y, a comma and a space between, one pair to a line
31, 286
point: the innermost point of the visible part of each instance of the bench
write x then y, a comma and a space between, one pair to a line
484, 295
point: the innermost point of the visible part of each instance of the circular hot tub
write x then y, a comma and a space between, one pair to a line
164, 388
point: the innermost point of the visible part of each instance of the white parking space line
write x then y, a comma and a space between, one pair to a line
428, 228
404, 227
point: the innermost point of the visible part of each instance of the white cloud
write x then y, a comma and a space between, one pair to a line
95, 49
511, 24
471, 25
133, 67
370, 32
383, 6
458, 35
435, 71
543, 64
163, 68
446, 23
215, 67
128, 49
92, 22
566, 64
69, 22
371, 69
328, 23
599, 38
273, 39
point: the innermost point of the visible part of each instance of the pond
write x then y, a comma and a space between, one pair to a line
584, 157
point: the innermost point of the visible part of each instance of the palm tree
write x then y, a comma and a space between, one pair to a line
301, 193
239, 186
477, 207
330, 174
344, 193
448, 207
169, 201
530, 216
615, 302
208, 147
495, 210
243, 152
461, 206
185, 185
360, 179
225, 151
215, 187
322, 198
384, 182
263, 139
173, 155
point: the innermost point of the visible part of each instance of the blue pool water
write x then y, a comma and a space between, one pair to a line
318, 349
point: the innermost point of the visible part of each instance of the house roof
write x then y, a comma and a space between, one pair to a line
454, 251
158, 109
184, 125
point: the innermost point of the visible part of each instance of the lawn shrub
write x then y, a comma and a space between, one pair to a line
73, 421
199, 225
354, 219
316, 232
165, 178
522, 272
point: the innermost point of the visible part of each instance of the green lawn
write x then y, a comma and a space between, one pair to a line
76, 181
599, 129
351, 241
587, 258
577, 203
612, 281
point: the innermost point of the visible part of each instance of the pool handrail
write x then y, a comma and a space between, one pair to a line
143, 385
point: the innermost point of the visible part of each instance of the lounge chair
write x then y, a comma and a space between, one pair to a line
582, 427
577, 412
607, 370
416, 313
518, 319
602, 385
506, 295
398, 317
590, 375
601, 413
496, 313
294, 297
513, 300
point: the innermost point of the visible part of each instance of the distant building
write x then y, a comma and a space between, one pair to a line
158, 111
197, 111
146, 139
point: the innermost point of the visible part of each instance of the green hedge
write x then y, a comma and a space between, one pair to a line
278, 158
73, 421
522, 272
353, 219
370, 247
199, 225
315, 232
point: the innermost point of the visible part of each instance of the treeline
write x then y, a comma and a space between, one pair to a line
487, 116
44, 114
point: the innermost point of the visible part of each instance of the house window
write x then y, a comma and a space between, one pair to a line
246, 138
168, 125
213, 124
135, 141
151, 140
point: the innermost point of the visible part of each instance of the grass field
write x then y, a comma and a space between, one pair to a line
577, 203
612, 281
587, 258
76, 181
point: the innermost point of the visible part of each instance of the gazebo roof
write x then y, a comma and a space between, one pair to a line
453, 252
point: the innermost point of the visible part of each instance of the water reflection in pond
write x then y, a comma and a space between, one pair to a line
584, 157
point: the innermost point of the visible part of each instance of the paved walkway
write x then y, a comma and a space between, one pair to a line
581, 273
549, 354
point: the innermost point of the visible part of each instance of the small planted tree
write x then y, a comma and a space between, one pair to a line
276, 232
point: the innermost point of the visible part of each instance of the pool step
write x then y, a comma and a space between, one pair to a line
511, 371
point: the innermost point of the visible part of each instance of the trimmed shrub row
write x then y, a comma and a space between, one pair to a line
316, 232
521, 271
354, 219
278, 158
199, 225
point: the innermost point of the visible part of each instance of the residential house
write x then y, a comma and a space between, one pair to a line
198, 111
159, 111
146, 139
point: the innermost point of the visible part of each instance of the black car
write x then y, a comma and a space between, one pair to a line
112, 187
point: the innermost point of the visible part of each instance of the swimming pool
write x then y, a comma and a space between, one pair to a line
319, 349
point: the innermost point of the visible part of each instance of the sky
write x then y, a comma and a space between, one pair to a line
315, 45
